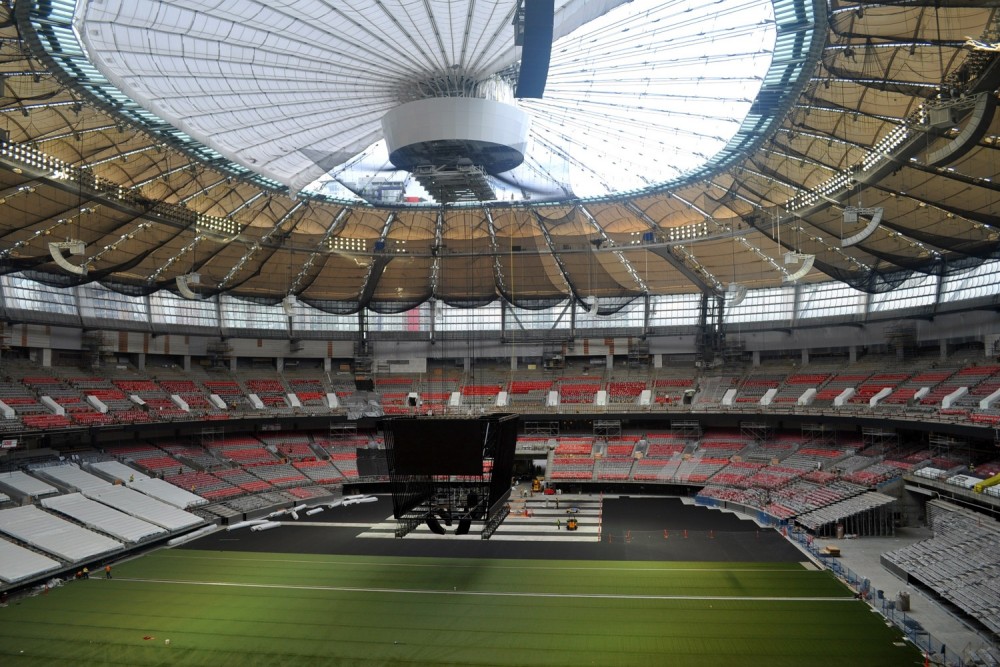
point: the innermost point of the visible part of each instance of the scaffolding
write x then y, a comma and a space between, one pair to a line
341, 430
946, 447
687, 430
607, 428
818, 434
209, 435
758, 432
548, 429
879, 441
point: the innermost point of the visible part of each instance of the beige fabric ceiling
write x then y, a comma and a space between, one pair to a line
150, 212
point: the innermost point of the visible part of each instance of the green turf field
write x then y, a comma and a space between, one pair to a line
234, 608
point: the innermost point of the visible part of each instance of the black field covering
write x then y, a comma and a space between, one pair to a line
633, 529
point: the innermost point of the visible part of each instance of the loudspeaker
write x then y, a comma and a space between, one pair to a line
435, 527
411, 401
464, 524
364, 384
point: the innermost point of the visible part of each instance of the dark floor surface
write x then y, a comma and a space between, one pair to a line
634, 529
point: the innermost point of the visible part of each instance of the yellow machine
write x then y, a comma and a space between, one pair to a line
536, 484
571, 524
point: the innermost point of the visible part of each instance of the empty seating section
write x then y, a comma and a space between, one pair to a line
270, 391
836, 385
795, 385
625, 391
875, 384
434, 401
529, 392
295, 446
149, 458
237, 479
321, 472
190, 393
670, 391
229, 391
614, 468
310, 391
480, 394
242, 450
959, 562
572, 390
949, 381
755, 386
572, 468
877, 473
981, 381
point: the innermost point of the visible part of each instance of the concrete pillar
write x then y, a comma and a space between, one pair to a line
852, 353
279, 364
467, 364
140, 361
232, 364
610, 360
46, 357
327, 364
805, 357
756, 358
513, 362
657, 361
944, 349
186, 362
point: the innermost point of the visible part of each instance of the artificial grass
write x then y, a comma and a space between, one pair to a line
226, 608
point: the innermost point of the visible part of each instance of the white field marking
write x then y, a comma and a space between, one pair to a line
515, 594
479, 565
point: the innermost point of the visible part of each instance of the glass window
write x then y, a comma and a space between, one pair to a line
101, 305
414, 320
39, 302
631, 315
170, 310
916, 291
520, 319
830, 300
674, 310
485, 318
249, 316
972, 284
763, 305
307, 318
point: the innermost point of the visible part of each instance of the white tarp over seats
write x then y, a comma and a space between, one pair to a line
146, 508
112, 470
54, 535
17, 563
71, 476
23, 484
167, 492
103, 518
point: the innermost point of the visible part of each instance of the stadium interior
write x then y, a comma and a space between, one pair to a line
746, 255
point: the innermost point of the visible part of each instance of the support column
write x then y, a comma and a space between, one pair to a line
140, 361
756, 358
467, 364
186, 362
944, 349
513, 362
46, 357
327, 364
232, 364
279, 364
805, 357
657, 361
610, 360
852, 353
